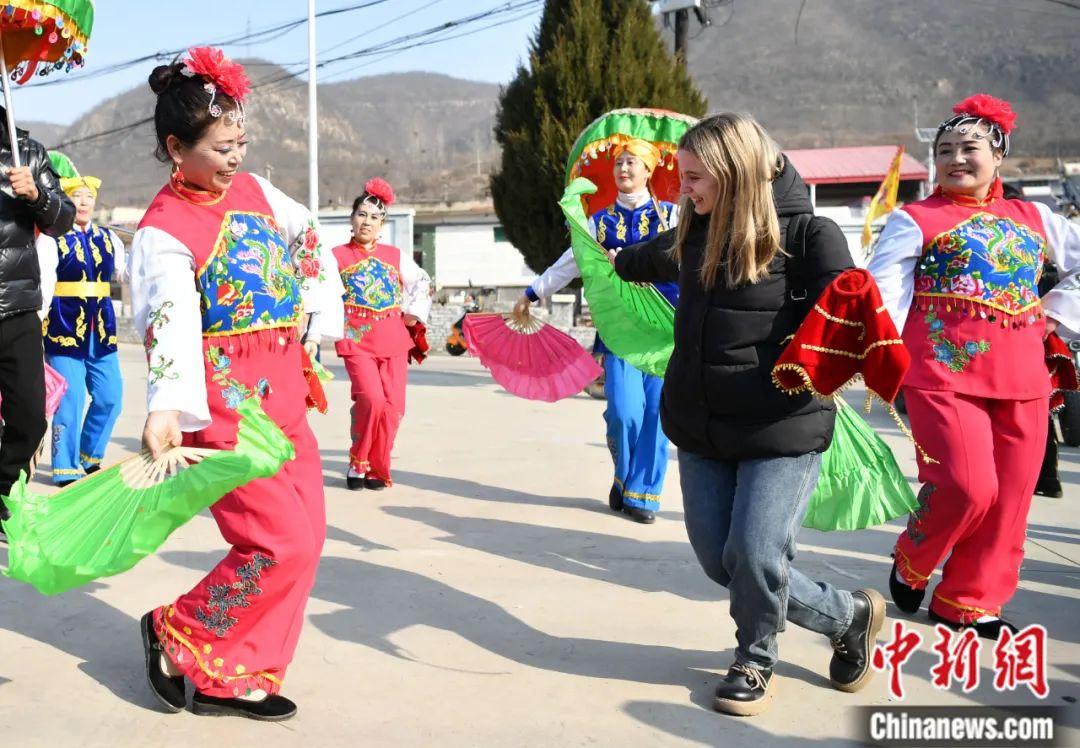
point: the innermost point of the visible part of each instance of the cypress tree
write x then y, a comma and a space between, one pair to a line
587, 58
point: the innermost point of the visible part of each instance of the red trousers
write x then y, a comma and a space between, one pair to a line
974, 502
237, 630
378, 394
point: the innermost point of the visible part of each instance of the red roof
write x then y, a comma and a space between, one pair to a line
862, 163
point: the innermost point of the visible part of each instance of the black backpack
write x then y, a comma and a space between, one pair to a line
795, 249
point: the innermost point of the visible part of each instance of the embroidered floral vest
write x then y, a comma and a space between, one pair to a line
976, 323
243, 267
374, 295
86, 258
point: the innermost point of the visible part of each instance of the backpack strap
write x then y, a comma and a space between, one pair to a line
795, 248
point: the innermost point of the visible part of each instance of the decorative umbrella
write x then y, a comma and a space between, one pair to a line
635, 321
530, 359
105, 523
41, 36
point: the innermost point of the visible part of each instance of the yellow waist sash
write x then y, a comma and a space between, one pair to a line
82, 288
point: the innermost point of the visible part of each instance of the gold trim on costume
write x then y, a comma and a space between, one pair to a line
83, 289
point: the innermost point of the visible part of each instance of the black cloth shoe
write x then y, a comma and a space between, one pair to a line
986, 630
64, 483
274, 708
1049, 487
167, 689
354, 483
744, 691
850, 668
644, 516
614, 498
907, 599
92, 469
374, 484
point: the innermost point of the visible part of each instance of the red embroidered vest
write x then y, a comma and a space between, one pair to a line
374, 295
976, 323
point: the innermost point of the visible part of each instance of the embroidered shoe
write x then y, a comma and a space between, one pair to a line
614, 498
644, 516
986, 629
274, 708
167, 689
374, 484
744, 691
850, 668
907, 599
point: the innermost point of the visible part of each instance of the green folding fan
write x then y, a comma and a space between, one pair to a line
635, 321
105, 523
861, 485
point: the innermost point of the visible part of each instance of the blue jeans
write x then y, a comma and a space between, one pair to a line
742, 518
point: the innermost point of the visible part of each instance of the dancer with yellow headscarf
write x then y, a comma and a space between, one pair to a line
79, 328
637, 443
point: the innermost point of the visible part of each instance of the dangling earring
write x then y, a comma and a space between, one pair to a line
177, 175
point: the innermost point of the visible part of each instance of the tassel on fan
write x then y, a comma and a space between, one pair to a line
105, 523
530, 359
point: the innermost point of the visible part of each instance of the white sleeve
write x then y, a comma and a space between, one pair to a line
166, 308
673, 217
120, 268
1063, 300
417, 285
558, 276
316, 269
896, 253
48, 254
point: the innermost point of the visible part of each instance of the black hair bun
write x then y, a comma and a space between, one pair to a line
162, 77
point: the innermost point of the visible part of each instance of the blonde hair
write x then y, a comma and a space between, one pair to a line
744, 232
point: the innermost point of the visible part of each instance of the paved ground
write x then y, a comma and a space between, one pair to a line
490, 598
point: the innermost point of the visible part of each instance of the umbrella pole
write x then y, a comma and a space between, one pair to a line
7, 107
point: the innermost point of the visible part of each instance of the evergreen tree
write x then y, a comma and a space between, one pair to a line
588, 57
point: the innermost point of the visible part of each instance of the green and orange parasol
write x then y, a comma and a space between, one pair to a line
40, 36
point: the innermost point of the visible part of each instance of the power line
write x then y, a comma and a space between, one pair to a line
383, 47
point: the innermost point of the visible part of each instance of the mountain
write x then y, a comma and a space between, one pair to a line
856, 75
428, 134
859, 67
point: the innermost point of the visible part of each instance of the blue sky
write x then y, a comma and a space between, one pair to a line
125, 29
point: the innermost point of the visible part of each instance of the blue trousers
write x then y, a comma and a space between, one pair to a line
80, 434
637, 443
742, 519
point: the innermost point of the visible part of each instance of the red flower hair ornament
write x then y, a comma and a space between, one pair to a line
983, 116
220, 74
381, 190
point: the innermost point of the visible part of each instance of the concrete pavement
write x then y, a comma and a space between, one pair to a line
491, 598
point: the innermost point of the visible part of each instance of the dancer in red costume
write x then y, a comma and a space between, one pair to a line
387, 295
959, 274
227, 271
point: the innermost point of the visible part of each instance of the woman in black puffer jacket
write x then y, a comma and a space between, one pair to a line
749, 455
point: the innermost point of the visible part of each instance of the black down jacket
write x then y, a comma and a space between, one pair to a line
719, 400
52, 213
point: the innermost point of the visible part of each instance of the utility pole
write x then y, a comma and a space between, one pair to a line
682, 29
681, 10
313, 118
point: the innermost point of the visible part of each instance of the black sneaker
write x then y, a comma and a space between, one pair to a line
744, 691
354, 483
907, 599
275, 708
644, 516
614, 498
1049, 487
167, 689
986, 629
374, 484
850, 668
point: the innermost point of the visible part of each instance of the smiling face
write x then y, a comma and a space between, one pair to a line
367, 223
212, 161
965, 165
84, 205
631, 174
697, 183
